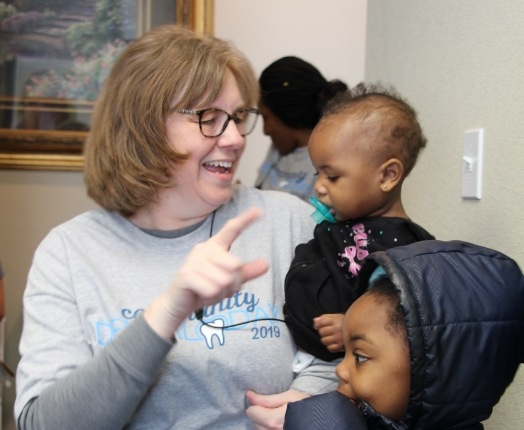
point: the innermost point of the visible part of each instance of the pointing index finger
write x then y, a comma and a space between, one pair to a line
232, 229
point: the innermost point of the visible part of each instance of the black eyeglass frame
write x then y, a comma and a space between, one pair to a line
234, 117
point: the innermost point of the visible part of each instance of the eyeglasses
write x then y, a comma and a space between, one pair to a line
213, 122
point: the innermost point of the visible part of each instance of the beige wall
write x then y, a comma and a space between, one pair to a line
461, 65
31, 203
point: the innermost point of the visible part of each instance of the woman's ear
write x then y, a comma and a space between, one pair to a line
392, 174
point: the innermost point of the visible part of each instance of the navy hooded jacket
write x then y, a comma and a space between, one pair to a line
464, 314
464, 311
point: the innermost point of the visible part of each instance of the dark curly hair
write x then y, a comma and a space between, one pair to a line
296, 92
384, 109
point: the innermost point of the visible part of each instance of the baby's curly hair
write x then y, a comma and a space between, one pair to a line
382, 109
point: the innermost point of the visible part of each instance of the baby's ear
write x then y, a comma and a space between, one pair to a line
392, 174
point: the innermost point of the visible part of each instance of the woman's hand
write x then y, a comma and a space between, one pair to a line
267, 412
209, 274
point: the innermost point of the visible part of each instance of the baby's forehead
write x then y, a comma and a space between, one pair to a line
367, 132
374, 111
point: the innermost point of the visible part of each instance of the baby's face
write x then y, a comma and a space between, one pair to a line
376, 366
349, 177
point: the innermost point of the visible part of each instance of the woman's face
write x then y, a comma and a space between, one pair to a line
376, 367
204, 181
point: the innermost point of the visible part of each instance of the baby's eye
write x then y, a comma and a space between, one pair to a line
316, 172
332, 178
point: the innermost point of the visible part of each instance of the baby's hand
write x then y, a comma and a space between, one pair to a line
329, 327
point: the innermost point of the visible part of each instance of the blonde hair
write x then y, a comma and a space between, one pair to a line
127, 153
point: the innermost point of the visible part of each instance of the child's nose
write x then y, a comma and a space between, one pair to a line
342, 371
344, 384
319, 188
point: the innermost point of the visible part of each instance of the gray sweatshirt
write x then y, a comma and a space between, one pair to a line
89, 359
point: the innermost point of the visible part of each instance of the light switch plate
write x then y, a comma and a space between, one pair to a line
472, 164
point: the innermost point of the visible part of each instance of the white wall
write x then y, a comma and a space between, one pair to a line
329, 34
461, 65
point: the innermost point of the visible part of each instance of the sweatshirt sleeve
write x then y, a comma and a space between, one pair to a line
105, 392
317, 378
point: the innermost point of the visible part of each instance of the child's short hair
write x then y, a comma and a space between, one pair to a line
387, 112
384, 291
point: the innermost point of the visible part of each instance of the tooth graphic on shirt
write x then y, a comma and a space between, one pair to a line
213, 329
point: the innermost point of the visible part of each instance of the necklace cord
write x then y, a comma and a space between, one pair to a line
199, 313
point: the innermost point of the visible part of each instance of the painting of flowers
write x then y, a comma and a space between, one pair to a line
61, 50
54, 58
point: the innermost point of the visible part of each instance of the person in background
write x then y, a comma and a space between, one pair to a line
365, 145
445, 340
293, 94
163, 307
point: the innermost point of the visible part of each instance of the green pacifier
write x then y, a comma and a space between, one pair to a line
322, 212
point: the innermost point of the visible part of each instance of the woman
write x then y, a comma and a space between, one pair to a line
142, 314
293, 94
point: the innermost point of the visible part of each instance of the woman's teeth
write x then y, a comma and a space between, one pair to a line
219, 166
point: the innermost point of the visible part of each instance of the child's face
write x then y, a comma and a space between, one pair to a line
349, 177
376, 366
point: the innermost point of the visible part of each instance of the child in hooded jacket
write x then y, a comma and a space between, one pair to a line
445, 341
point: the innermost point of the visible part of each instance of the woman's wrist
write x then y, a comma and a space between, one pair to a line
161, 321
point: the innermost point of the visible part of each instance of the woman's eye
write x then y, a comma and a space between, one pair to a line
240, 116
209, 121
210, 118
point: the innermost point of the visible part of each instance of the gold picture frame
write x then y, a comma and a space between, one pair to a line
25, 146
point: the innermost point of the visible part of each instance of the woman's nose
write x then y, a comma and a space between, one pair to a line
231, 136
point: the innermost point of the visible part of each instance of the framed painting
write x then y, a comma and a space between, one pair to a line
54, 58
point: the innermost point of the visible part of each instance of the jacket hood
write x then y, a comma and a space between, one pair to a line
464, 312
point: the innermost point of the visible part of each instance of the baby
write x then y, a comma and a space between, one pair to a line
365, 145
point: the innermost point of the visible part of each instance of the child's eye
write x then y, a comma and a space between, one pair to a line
359, 358
332, 178
316, 172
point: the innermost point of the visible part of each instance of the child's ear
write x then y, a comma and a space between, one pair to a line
392, 174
